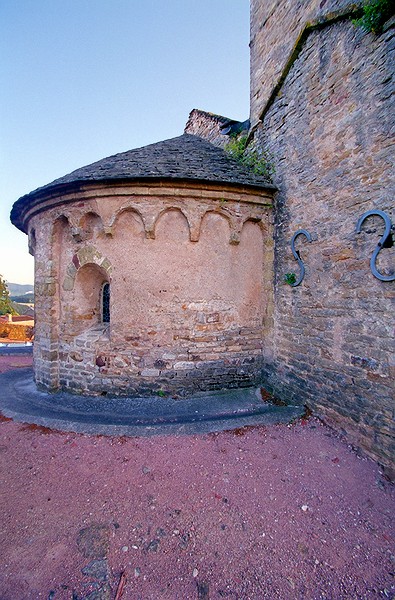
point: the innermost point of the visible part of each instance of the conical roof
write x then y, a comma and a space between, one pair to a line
184, 158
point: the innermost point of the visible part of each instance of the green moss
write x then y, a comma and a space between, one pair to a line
375, 14
290, 278
259, 162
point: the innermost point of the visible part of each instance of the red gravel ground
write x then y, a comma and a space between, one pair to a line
283, 512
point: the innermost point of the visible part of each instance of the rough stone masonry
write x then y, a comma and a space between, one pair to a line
322, 104
178, 238
195, 249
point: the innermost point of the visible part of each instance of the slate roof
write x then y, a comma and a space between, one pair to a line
184, 158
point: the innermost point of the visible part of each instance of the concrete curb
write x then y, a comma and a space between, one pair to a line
125, 416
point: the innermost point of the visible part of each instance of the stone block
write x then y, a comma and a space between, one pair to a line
150, 373
68, 283
76, 356
182, 365
119, 362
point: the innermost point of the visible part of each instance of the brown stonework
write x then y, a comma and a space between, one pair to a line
195, 261
190, 269
208, 126
330, 131
277, 29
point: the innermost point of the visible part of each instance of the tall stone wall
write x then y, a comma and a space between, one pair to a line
277, 29
330, 131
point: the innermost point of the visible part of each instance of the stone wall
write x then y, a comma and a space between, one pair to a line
330, 131
190, 271
277, 28
207, 126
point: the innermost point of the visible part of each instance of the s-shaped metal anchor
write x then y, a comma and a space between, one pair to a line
296, 254
384, 242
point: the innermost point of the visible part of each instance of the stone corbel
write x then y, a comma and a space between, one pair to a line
236, 225
150, 228
194, 223
77, 234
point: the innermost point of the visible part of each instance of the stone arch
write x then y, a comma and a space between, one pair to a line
84, 256
258, 220
218, 213
129, 211
215, 250
90, 224
89, 286
60, 243
252, 221
60, 252
171, 210
63, 216
62, 222
256, 253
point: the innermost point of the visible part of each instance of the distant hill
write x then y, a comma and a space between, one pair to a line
19, 289
23, 309
27, 298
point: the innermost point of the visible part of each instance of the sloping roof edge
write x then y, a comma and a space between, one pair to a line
186, 158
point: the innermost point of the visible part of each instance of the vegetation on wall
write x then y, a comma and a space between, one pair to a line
375, 14
5, 302
260, 162
290, 278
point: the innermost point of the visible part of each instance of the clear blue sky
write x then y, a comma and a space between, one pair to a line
85, 79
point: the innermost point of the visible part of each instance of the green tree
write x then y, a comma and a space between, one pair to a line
5, 302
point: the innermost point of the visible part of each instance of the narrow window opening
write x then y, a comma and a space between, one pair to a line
105, 303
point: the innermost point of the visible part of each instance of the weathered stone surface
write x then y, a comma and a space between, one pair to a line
150, 373
175, 303
120, 362
277, 27
182, 365
329, 130
207, 126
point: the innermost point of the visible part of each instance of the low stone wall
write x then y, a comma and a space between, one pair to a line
91, 364
207, 125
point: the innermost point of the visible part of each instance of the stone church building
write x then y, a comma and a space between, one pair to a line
153, 272
163, 269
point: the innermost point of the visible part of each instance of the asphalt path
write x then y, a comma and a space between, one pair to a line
10, 350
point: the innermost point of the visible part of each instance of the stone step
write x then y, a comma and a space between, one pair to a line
112, 415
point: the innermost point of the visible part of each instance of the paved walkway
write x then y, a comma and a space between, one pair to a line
12, 348
200, 413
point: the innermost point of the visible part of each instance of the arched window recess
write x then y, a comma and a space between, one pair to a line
105, 302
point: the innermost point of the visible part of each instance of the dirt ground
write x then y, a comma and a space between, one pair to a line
282, 512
